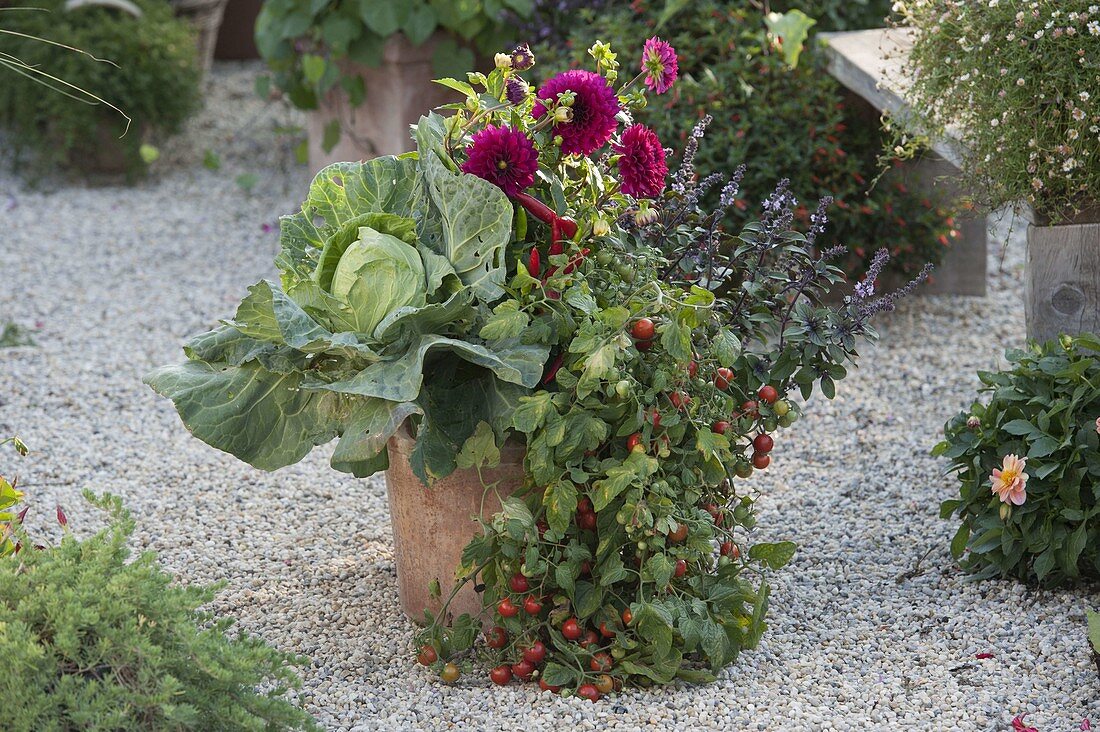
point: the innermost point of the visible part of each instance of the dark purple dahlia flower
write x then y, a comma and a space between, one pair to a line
642, 164
659, 65
594, 110
504, 156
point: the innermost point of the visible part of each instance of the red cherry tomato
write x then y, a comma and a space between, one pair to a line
720, 427
535, 653
542, 526
605, 684
693, 367
727, 549
679, 399
427, 656
518, 583
627, 616
643, 329
586, 521
586, 568
643, 345
571, 630
750, 409
589, 692
601, 662
655, 418
681, 568
532, 606
722, 378
584, 505
523, 669
761, 460
768, 394
678, 534
506, 608
501, 675
763, 443
606, 632
547, 687
496, 637
634, 442
591, 638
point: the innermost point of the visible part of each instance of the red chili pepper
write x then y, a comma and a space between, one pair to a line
546, 215
557, 248
553, 370
575, 260
555, 235
534, 262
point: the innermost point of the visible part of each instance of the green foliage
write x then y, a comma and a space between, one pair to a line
305, 42
781, 122
12, 335
93, 640
1044, 408
152, 77
1021, 88
382, 273
10, 496
1094, 632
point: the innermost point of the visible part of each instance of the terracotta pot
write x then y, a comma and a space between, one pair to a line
398, 93
1063, 280
236, 37
431, 526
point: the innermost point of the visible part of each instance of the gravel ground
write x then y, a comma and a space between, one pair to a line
115, 278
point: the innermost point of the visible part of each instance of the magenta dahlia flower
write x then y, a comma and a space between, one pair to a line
641, 163
504, 156
594, 110
659, 65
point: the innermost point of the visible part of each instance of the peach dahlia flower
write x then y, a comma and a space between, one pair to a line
1010, 482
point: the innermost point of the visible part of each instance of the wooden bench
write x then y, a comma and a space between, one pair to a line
869, 63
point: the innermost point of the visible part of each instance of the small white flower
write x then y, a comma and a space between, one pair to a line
1069, 165
1072, 134
1036, 183
1078, 114
994, 122
1020, 81
1083, 96
1039, 34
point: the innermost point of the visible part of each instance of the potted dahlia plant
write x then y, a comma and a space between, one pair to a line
1020, 87
568, 369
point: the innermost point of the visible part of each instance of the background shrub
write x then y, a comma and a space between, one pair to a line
781, 122
91, 642
154, 78
1045, 407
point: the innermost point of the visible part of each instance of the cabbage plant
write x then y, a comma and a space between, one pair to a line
385, 277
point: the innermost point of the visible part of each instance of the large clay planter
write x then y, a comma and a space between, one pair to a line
431, 526
398, 93
1063, 278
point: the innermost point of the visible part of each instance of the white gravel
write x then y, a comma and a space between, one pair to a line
117, 277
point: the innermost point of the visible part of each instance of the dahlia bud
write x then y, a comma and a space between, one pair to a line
558, 140
471, 104
503, 61
522, 58
1006, 511
516, 91
600, 227
973, 423
645, 215
563, 114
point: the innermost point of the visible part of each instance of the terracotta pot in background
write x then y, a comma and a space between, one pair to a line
398, 93
236, 38
431, 526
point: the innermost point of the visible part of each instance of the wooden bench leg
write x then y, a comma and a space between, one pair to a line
963, 269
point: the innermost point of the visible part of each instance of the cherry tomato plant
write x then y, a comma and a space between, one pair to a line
676, 350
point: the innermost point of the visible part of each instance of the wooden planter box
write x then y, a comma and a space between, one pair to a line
1063, 279
399, 92
431, 526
